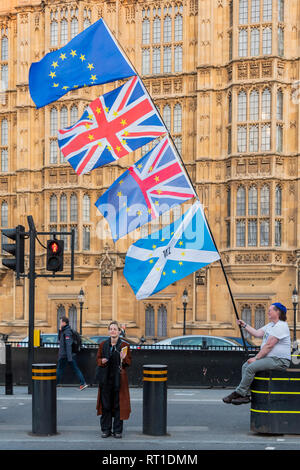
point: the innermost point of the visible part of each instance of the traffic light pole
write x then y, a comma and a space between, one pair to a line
16, 249
31, 277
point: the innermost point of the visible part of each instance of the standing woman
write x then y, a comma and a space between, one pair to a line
113, 357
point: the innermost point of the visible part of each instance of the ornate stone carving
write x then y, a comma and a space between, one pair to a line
200, 278
107, 265
249, 258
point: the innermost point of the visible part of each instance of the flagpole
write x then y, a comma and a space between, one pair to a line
187, 174
227, 282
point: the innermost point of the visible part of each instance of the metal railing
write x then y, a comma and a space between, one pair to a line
141, 346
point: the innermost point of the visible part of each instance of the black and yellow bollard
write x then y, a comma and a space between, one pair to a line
155, 399
275, 402
44, 399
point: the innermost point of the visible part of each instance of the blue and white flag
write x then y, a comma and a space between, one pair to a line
170, 254
91, 58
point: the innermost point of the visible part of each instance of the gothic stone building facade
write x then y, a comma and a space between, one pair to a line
225, 76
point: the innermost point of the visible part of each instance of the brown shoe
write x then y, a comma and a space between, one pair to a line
240, 400
230, 397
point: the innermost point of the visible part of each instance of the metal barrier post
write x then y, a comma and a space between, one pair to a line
155, 399
44, 399
8, 371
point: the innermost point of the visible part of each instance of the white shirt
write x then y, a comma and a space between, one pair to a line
281, 331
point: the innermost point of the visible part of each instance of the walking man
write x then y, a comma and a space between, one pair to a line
275, 352
65, 354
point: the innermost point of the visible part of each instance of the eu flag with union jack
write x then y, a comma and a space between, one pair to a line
170, 254
112, 126
91, 58
152, 186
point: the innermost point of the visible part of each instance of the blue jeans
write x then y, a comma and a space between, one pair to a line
62, 362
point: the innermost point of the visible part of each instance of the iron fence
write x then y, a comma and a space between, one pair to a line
155, 347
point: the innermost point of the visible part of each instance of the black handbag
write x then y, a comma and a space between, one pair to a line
101, 375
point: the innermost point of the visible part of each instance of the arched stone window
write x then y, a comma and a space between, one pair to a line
63, 208
241, 201
61, 312
259, 317
53, 208
72, 314
162, 321
149, 321
252, 201
73, 208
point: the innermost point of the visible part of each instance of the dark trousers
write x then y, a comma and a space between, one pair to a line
62, 362
110, 408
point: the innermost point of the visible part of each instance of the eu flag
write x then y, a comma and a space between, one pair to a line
91, 58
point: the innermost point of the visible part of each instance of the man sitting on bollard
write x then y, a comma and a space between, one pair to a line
275, 352
65, 354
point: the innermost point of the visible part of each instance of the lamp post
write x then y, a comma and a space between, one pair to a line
81, 302
295, 305
185, 300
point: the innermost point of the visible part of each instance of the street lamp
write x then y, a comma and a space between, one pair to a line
295, 305
185, 300
81, 302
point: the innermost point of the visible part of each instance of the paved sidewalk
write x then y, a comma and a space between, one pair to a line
197, 420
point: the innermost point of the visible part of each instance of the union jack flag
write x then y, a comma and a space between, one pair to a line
112, 126
152, 186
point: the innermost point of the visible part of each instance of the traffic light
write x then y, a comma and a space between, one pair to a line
55, 255
17, 249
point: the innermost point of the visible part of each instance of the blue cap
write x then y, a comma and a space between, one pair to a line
280, 306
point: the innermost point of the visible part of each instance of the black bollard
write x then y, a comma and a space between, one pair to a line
155, 399
44, 399
8, 371
275, 404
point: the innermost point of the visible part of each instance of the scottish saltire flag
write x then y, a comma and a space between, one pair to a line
112, 126
90, 58
155, 184
170, 254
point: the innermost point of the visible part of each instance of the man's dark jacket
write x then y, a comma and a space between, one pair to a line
65, 343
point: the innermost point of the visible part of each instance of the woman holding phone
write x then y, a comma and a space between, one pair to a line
113, 401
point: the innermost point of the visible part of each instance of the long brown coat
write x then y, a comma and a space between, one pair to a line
124, 396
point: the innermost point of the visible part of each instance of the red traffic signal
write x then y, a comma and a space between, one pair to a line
53, 247
55, 255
